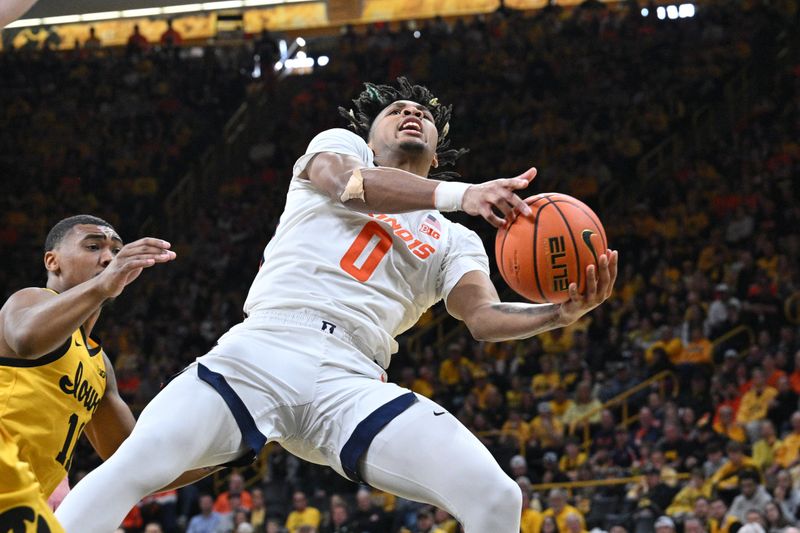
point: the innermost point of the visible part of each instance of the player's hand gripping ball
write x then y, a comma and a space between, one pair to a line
540, 255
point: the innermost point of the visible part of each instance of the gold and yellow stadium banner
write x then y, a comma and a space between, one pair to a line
289, 17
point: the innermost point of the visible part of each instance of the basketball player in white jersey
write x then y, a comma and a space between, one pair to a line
361, 251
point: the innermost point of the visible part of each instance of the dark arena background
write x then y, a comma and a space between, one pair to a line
673, 407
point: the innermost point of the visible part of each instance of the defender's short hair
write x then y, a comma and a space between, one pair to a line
60, 230
374, 99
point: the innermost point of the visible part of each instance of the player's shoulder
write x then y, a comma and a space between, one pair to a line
455, 229
27, 297
338, 134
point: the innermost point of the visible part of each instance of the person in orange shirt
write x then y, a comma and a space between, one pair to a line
171, 37
794, 377
698, 352
771, 372
235, 486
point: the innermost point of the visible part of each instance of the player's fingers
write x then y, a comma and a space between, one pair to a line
491, 218
502, 205
604, 278
160, 256
613, 262
520, 206
140, 248
528, 175
150, 241
132, 265
591, 283
153, 258
574, 295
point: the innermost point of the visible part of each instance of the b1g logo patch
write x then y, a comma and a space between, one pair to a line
431, 227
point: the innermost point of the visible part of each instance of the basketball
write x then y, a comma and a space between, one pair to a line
539, 256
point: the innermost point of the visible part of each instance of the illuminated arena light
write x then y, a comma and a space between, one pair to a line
672, 12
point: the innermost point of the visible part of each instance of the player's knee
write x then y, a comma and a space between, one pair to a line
505, 498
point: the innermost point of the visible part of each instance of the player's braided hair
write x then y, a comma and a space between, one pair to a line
374, 99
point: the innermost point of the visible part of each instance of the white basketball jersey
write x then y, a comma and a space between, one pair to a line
371, 274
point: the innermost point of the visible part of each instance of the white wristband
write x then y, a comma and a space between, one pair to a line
447, 196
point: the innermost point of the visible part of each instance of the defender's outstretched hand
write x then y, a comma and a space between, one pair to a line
599, 285
131, 260
498, 194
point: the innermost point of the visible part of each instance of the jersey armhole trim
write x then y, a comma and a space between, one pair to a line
51, 357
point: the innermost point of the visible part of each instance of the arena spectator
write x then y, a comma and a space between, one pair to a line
755, 404
368, 517
559, 509
721, 521
208, 520
752, 495
171, 37
302, 515
235, 488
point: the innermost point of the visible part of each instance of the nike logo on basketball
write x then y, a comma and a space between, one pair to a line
438, 414
587, 239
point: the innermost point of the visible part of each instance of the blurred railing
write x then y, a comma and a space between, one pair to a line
623, 400
569, 485
195, 190
726, 338
706, 123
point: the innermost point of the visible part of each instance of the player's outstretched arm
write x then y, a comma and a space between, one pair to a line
390, 190
36, 322
475, 301
11, 10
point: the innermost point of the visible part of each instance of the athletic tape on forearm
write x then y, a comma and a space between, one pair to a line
354, 187
448, 195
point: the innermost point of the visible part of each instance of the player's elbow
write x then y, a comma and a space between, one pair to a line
481, 328
27, 341
22, 343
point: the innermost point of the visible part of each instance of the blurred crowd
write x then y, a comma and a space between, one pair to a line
712, 445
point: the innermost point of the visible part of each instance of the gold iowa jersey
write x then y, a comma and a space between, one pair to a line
23, 508
45, 403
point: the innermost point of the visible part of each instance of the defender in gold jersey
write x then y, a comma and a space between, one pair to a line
55, 380
23, 509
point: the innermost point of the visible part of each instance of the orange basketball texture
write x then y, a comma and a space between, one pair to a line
540, 256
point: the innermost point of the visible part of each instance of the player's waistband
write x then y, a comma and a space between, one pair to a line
312, 320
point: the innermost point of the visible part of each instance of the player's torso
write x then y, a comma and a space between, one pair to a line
370, 268
45, 403
23, 508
